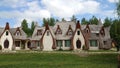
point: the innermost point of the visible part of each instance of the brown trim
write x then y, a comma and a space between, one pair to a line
78, 26
69, 29
18, 29
58, 28
102, 31
47, 28
8, 28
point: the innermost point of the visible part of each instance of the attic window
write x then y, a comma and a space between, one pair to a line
78, 32
39, 32
58, 31
70, 32
18, 33
87, 30
7, 33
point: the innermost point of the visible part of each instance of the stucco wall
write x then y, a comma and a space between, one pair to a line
9, 38
80, 37
47, 42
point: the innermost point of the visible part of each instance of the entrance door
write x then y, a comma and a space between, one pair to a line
78, 44
6, 43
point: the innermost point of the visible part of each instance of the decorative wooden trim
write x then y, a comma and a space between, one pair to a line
47, 28
69, 29
102, 31
18, 29
58, 28
78, 26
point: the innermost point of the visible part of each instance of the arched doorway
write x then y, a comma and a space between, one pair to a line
78, 44
6, 43
29, 44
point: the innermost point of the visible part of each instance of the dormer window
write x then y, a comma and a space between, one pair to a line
39, 32
70, 31
58, 31
7, 33
102, 33
18, 33
87, 30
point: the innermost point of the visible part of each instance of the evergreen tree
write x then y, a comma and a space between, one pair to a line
84, 21
93, 20
50, 21
73, 18
24, 26
115, 32
32, 27
107, 22
115, 29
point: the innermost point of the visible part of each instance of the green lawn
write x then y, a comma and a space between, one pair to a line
57, 60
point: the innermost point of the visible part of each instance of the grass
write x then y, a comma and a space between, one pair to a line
57, 60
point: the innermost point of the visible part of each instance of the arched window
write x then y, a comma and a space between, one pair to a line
7, 33
78, 32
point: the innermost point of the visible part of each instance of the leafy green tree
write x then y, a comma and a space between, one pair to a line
93, 20
115, 33
107, 22
84, 21
115, 28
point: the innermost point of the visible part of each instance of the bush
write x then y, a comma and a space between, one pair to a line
0, 47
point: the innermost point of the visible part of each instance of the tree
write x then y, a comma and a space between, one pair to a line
50, 21
24, 26
84, 21
115, 29
93, 20
107, 22
32, 27
115, 33
73, 18
63, 19
118, 9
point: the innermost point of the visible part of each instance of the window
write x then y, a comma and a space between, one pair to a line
104, 42
17, 33
87, 30
70, 32
78, 32
47, 33
93, 43
67, 43
17, 43
97, 34
59, 43
39, 32
6, 33
59, 31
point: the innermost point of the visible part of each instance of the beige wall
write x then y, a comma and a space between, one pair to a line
9, 38
80, 37
47, 42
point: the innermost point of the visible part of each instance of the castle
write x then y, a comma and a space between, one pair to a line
65, 35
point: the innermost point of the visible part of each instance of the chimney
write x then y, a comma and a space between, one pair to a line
7, 26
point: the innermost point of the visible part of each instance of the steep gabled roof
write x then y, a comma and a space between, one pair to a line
64, 27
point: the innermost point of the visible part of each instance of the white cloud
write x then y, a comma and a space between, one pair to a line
66, 8
36, 10
113, 1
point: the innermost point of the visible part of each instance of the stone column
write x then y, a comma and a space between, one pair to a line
63, 43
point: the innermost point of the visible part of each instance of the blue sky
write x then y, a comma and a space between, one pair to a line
14, 11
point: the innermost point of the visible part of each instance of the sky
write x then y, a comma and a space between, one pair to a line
14, 11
